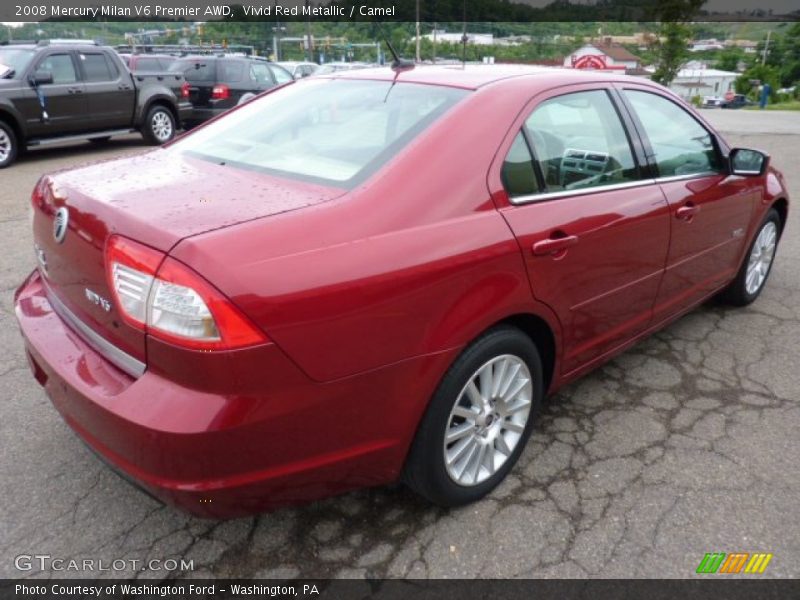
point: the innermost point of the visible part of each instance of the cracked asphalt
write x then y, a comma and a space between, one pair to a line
686, 444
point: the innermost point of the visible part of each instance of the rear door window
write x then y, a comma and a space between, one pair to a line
569, 142
230, 71
579, 141
96, 67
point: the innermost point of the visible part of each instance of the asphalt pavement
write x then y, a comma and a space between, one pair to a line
684, 445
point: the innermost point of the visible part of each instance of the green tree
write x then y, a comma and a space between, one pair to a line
761, 73
786, 56
729, 59
674, 35
672, 52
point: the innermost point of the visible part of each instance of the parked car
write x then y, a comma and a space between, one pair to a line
738, 101
299, 69
60, 92
713, 101
218, 83
334, 67
148, 63
372, 277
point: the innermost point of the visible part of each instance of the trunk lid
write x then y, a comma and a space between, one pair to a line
157, 199
202, 76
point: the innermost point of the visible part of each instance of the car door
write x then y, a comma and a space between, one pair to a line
592, 225
65, 98
110, 97
710, 209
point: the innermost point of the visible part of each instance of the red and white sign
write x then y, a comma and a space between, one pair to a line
593, 61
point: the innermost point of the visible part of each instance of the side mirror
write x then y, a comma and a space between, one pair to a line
747, 162
41, 78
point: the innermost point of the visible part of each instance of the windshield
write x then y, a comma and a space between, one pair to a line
13, 61
327, 131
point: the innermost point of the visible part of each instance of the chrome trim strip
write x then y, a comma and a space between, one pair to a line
687, 176
527, 199
124, 361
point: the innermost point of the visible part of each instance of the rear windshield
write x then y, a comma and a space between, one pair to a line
196, 69
335, 132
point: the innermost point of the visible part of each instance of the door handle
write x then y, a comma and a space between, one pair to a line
687, 211
75, 90
554, 245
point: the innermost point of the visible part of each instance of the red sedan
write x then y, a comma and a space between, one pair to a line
377, 276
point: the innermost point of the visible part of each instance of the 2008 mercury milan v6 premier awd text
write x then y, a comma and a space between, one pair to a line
378, 275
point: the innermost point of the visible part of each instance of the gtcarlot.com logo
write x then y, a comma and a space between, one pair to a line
735, 562
47, 562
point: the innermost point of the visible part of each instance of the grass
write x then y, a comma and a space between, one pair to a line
791, 105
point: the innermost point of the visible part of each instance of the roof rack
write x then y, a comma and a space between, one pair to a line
185, 49
68, 41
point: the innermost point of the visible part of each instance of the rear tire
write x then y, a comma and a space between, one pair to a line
159, 125
476, 425
757, 263
9, 145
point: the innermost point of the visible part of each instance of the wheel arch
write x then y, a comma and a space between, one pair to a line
542, 335
11, 120
781, 205
159, 101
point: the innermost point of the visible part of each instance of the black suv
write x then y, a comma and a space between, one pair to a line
56, 92
218, 83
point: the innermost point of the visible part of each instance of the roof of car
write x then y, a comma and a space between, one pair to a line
35, 46
476, 76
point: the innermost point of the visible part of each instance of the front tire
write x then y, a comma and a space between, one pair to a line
159, 125
479, 419
9, 145
757, 263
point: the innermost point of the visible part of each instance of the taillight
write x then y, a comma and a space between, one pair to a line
168, 300
220, 92
37, 196
185, 89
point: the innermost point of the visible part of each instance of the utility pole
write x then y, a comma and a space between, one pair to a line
434, 42
418, 58
766, 47
309, 49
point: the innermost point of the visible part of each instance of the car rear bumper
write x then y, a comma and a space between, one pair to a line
185, 110
224, 455
201, 115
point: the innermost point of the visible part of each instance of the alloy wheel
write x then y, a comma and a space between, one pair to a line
761, 256
161, 124
5, 146
487, 420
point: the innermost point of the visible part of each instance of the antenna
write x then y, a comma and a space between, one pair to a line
398, 64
